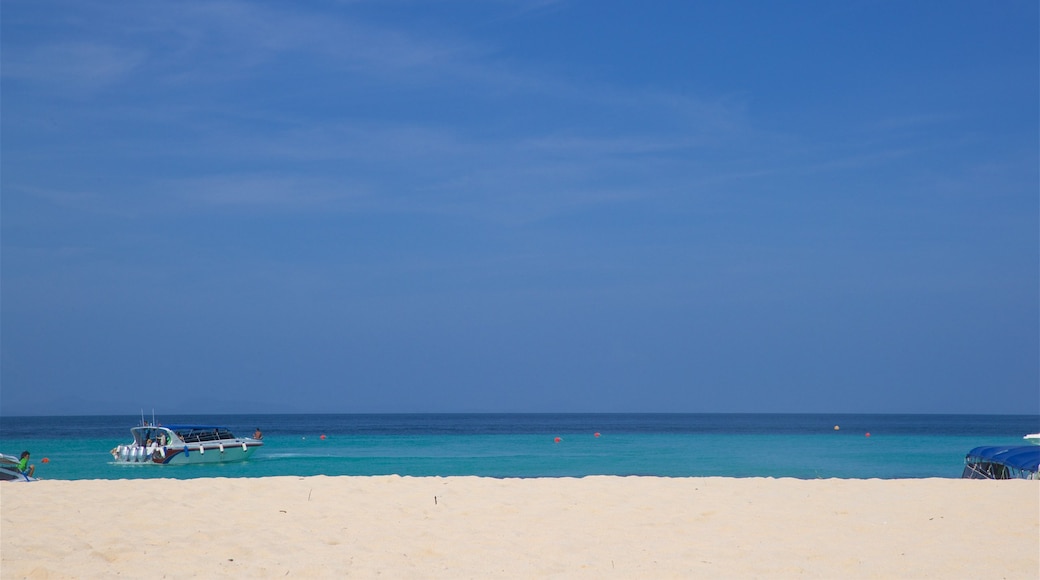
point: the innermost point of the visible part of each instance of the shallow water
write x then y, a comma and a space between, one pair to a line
754, 445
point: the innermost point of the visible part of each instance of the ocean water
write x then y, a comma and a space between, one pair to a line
524, 445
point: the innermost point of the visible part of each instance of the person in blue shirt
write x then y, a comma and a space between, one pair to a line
23, 464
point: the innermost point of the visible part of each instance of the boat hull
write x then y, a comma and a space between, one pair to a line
186, 454
209, 454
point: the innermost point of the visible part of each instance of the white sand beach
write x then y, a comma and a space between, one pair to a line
470, 527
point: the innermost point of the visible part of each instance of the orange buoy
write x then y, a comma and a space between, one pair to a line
322, 436
45, 460
596, 434
557, 440
868, 434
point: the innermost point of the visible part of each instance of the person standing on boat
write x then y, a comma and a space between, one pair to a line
258, 434
23, 464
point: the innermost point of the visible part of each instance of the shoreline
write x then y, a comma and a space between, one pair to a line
592, 527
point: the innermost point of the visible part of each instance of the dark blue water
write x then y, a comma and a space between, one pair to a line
524, 445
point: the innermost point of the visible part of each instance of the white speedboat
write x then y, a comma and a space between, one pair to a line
181, 444
9, 469
1033, 438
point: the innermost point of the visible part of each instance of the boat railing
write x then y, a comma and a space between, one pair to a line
986, 470
1002, 463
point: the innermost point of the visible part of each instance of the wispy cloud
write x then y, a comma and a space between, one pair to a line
238, 38
72, 66
275, 191
229, 65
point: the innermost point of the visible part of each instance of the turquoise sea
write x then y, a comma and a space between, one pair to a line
524, 445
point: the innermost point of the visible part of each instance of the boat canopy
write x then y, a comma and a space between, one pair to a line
201, 433
1002, 462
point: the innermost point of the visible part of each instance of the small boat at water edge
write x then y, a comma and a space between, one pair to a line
184, 444
9, 469
1000, 462
1033, 438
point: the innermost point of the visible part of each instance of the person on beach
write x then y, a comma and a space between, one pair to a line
258, 434
23, 464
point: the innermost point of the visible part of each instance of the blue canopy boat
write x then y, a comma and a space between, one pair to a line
1002, 462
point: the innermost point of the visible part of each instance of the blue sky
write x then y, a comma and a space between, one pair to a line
520, 206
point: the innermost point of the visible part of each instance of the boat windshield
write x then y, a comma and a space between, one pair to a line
145, 436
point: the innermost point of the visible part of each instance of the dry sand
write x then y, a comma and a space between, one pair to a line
469, 527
